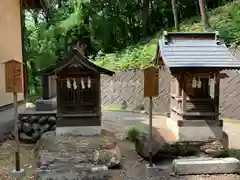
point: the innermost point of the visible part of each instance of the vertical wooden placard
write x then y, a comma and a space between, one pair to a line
151, 78
13, 76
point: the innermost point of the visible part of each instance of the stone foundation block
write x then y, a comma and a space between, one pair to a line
46, 105
206, 166
196, 130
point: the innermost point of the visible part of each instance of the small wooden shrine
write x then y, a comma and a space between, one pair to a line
78, 90
194, 61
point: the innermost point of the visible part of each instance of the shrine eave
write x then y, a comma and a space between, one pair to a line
82, 60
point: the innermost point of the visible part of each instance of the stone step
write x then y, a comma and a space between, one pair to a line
206, 166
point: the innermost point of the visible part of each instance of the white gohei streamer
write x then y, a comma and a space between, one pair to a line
199, 82
74, 84
194, 82
82, 83
89, 83
68, 83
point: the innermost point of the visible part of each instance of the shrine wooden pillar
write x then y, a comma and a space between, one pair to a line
216, 93
179, 85
183, 91
99, 108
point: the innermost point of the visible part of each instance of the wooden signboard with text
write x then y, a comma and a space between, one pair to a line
13, 76
151, 78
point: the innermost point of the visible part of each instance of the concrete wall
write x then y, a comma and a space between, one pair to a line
127, 88
10, 42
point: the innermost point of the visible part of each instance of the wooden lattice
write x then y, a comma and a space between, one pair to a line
79, 99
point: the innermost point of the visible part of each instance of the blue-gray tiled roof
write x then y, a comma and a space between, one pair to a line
179, 51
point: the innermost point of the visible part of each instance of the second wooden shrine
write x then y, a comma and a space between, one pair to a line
195, 61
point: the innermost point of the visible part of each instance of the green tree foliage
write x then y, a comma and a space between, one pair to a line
106, 25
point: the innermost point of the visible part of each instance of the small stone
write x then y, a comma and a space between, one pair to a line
27, 139
27, 128
36, 126
53, 127
43, 120
11, 136
28, 165
45, 159
52, 120
36, 135
45, 128
24, 119
33, 119
214, 149
110, 157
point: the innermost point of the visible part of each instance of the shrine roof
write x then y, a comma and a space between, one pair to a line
73, 55
195, 50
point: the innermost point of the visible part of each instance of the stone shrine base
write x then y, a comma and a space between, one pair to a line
188, 139
195, 130
77, 157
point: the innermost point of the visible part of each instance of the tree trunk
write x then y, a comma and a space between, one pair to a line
35, 14
203, 11
34, 75
145, 17
175, 14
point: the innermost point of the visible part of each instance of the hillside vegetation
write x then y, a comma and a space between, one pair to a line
225, 19
107, 28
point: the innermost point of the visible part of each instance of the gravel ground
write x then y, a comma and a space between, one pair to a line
7, 160
134, 166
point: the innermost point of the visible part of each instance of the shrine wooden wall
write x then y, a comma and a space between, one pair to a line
10, 42
52, 86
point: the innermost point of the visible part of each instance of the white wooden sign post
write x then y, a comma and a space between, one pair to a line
13, 84
151, 78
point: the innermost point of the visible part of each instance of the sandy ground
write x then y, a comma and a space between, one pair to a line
133, 166
7, 160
